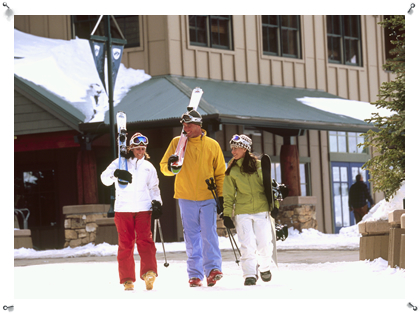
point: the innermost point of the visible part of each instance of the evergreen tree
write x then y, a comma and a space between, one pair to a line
387, 168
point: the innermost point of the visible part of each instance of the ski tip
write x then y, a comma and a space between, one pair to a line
195, 99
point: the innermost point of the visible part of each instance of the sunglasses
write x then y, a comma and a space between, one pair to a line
140, 140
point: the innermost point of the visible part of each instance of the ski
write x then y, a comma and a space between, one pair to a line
266, 173
183, 140
122, 145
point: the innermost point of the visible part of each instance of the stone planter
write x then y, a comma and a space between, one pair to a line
298, 212
385, 239
23, 238
80, 223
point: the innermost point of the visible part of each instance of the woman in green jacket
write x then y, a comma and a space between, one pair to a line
245, 201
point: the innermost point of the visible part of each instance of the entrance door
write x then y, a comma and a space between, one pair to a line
343, 176
36, 190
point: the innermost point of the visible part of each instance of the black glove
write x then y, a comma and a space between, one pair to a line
220, 210
124, 175
227, 221
274, 213
156, 209
173, 158
126, 155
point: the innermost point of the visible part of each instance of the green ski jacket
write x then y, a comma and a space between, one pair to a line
243, 193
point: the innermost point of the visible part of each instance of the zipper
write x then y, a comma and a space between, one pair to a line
200, 164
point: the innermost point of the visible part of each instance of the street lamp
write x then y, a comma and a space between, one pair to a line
114, 49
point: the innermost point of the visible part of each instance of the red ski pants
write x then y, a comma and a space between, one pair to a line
134, 228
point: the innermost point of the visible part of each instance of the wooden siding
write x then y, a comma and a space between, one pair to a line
30, 118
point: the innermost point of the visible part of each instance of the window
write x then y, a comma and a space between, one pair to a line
281, 35
128, 24
344, 39
304, 177
213, 31
346, 142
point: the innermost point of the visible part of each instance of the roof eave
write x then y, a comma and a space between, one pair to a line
293, 124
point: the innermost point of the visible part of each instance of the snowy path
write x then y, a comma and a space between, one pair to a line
340, 280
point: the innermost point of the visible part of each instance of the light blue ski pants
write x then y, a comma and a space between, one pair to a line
201, 239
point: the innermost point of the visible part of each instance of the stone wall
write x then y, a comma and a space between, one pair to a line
298, 212
80, 223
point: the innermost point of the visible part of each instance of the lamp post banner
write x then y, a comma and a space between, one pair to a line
116, 52
98, 53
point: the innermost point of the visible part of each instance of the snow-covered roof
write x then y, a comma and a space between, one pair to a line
63, 71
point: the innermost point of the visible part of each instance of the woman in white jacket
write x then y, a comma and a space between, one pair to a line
133, 212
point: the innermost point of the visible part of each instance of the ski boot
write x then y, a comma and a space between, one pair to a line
265, 276
149, 278
214, 276
128, 285
250, 281
195, 282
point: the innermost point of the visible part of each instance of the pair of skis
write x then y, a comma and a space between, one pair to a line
183, 140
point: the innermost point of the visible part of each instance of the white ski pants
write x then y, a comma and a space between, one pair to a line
254, 235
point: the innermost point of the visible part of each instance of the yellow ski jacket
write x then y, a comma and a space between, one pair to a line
203, 159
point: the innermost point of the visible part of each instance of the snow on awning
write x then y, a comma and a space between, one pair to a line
349, 108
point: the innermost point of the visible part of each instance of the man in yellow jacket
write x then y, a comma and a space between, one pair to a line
203, 159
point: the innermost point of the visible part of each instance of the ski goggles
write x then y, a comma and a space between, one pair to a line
139, 140
187, 118
237, 141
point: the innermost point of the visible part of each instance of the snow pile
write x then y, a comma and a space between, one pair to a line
66, 68
378, 212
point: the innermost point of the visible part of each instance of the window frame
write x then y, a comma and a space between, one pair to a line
343, 39
94, 19
348, 135
280, 49
209, 43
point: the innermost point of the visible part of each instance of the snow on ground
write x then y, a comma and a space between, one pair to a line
308, 239
347, 239
330, 280
99, 280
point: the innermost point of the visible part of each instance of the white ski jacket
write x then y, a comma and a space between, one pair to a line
138, 195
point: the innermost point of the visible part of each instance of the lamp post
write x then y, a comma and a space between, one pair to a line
113, 48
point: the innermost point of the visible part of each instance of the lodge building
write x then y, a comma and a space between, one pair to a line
252, 69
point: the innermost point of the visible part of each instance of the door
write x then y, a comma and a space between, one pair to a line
36, 190
343, 176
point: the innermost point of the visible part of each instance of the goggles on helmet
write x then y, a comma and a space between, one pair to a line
187, 118
237, 139
139, 140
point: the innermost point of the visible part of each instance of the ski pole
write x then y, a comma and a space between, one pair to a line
213, 184
212, 187
157, 222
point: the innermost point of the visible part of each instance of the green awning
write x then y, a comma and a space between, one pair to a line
166, 98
